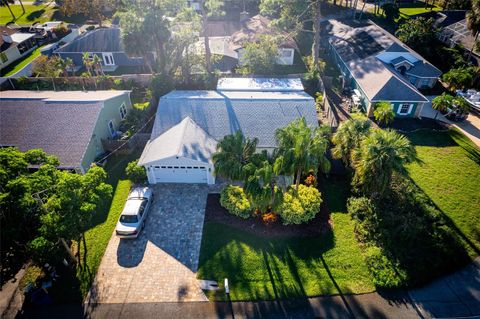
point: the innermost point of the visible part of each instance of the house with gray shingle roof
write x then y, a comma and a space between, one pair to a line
106, 43
381, 68
189, 124
67, 124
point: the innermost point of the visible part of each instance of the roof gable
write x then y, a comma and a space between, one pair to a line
185, 139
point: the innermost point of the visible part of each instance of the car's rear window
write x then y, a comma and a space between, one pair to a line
128, 219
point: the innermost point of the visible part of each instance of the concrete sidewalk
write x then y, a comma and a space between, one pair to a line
454, 296
335, 307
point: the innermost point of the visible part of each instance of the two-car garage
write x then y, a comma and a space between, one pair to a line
179, 174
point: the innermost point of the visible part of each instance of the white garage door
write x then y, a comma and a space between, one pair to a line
180, 174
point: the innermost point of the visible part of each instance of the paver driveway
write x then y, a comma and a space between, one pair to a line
160, 265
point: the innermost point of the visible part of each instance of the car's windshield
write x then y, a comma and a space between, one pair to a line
128, 219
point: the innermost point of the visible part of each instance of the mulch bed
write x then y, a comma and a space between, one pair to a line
214, 212
410, 125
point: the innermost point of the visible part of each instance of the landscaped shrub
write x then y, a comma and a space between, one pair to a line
413, 241
302, 207
385, 272
233, 199
136, 173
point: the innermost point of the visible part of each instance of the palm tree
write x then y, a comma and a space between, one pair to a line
233, 153
209, 8
348, 137
442, 102
6, 3
97, 65
87, 62
473, 23
383, 113
302, 149
380, 154
261, 185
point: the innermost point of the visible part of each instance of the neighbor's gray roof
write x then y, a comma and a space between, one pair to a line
426, 70
256, 114
98, 40
185, 139
380, 82
62, 96
63, 129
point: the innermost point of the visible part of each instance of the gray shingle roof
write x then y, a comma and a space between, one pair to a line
256, 114
425, 70
98, 40
63, 129
395, 47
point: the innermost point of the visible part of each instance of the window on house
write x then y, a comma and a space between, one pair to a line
3, 57
286, 53
405, 108
108, 58
123, 111
111, 128
425, 83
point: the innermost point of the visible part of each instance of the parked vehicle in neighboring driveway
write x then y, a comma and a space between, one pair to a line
132, 219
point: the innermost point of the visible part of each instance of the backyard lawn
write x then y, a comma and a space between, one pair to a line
450, 176
33, 13
21, 63
43, 12
260, 268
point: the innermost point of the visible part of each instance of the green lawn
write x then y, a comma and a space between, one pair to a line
19, 64
261, 268
33, 13
36, 13
450, 176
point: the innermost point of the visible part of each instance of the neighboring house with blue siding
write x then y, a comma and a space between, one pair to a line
104, 42
68, 124
381, 68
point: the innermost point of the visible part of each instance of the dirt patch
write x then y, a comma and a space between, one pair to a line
214, 212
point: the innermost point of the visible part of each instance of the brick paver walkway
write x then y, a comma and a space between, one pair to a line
160, 265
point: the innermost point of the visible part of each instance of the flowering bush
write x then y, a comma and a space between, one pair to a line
233, 199
302, 207
269, 218
310, 180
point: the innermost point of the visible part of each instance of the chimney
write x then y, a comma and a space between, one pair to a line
6, 37
244, 16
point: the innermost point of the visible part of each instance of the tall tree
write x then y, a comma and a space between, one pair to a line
48, 67
301, 149
92, 9
293, 15
473, 23
208, 9
259, 57
419, 34
68, 212
380, 154
348, 137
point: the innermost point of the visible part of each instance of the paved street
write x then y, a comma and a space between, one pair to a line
160, 265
